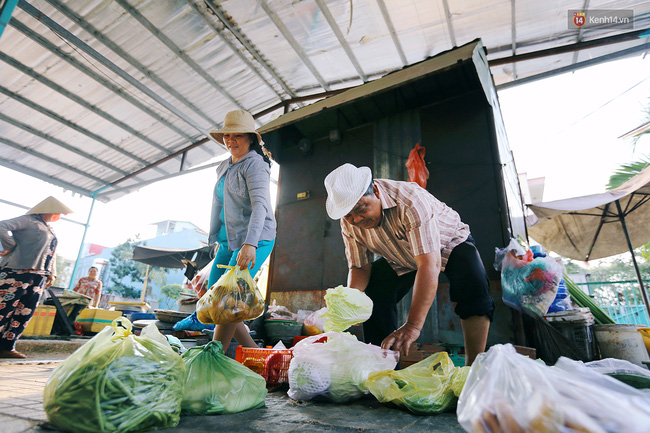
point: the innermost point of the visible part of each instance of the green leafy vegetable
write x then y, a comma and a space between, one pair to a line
345, 307
117, 382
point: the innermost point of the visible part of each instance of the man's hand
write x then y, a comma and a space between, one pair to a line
402, 338
246, 257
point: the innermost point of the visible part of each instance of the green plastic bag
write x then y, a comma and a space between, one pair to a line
430, 386
217, 384
117, 382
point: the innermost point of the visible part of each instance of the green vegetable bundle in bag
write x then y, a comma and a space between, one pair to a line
430, 386
216, 384
117, 382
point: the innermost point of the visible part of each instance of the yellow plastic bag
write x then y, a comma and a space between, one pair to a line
232, 299
428, 387
117, 382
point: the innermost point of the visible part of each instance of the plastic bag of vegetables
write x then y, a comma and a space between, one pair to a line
508, 392
216, 384
334, 366
232, 299
345, 307
428, 387
117, 382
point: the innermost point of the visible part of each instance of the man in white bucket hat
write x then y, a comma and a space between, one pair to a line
417, 237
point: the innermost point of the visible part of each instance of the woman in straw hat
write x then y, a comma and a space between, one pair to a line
27, 263
242, 221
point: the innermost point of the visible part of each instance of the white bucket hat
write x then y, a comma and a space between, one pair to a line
345, 186
238, 121
49, 205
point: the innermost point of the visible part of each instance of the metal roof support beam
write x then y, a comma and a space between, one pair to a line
60, 143
51, 160
176, 50
58, 29
391, 30
126, 56
52, 115
167, 158
623, 37
450, 27
6, 9
344, 44
29, 171
514, 37
245, 42
294, 44
98, 78
579, 38
87, 105
579, 65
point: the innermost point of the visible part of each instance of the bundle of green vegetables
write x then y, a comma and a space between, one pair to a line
117, 382
584, 301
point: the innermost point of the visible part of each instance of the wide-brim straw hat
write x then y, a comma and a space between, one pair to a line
238, 121
345, 186
49, 205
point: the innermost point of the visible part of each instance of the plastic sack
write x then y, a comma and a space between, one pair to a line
232, 299
314, 324
508, 392
528, 285
279, 312
217, 384
427, 387
334, 366
562, 301
345, 307
200, 281
117, 382
417, 168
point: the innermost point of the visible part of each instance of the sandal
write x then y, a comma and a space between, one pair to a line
11, 354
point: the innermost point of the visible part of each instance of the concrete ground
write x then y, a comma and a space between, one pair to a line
23, 381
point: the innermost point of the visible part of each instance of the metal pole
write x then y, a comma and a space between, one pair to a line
644, 295
81, 246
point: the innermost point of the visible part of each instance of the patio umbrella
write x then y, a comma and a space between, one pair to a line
171, 257
599, 225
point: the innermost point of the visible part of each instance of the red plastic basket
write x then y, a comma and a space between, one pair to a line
271, 364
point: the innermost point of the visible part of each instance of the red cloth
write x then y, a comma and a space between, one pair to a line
416, 166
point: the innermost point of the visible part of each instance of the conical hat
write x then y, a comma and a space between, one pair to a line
49, 205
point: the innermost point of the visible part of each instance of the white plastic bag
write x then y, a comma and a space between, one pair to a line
508, 392
335, 366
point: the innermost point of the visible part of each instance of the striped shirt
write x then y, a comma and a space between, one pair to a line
413, 223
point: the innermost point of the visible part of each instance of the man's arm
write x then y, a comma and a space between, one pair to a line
358, 278
424, 292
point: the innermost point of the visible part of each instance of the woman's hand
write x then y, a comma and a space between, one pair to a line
49, 281
4, 252
246, 257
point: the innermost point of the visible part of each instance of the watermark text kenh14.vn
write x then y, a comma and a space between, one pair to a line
622, 19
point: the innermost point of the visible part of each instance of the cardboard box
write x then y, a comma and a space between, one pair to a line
96, 319
42, 321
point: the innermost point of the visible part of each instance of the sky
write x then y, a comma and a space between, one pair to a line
563, 128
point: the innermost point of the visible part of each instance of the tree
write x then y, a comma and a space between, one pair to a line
171, 292
125, 276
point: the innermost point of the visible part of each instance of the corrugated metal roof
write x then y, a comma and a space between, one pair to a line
102, 97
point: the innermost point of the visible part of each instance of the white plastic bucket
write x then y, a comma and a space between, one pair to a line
621, 342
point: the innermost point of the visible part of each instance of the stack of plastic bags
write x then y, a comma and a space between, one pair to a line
508, 392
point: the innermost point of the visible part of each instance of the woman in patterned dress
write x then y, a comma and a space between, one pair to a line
27, 265
90, 286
